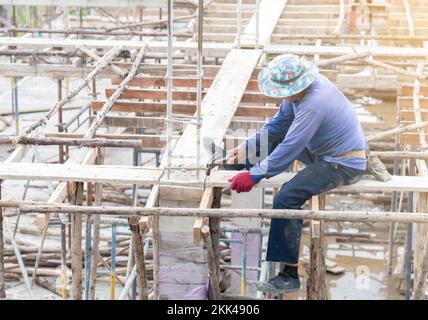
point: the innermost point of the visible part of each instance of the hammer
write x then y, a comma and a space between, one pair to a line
218, 158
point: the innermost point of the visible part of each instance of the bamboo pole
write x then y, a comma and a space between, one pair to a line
94, 56
115, 96
76, 246
400, 154
137, 244
95, 32
88, 241
399, 129
395, 69
330, 215
76, 142
101, 64
346, 57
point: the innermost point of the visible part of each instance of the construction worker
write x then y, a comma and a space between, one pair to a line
315, 124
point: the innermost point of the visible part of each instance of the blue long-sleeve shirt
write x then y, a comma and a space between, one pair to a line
323, 121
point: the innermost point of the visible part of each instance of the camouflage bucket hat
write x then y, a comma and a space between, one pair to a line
286, 75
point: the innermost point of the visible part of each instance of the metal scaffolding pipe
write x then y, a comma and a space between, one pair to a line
199, 85
169, 86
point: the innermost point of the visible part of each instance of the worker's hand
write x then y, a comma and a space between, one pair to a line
236, 155
242, 182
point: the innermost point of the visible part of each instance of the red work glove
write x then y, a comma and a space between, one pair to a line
242, 182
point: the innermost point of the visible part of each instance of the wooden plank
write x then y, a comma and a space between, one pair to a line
367, 184
79, 173
269, 14
220, 103
181, 193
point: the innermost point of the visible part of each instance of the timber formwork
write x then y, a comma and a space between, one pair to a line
366, 48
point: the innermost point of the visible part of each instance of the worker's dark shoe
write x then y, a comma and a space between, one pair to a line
281, 283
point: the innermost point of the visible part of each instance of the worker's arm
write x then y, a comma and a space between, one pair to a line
275, 128
303, 128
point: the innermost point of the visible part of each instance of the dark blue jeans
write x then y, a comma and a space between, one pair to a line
317, 177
